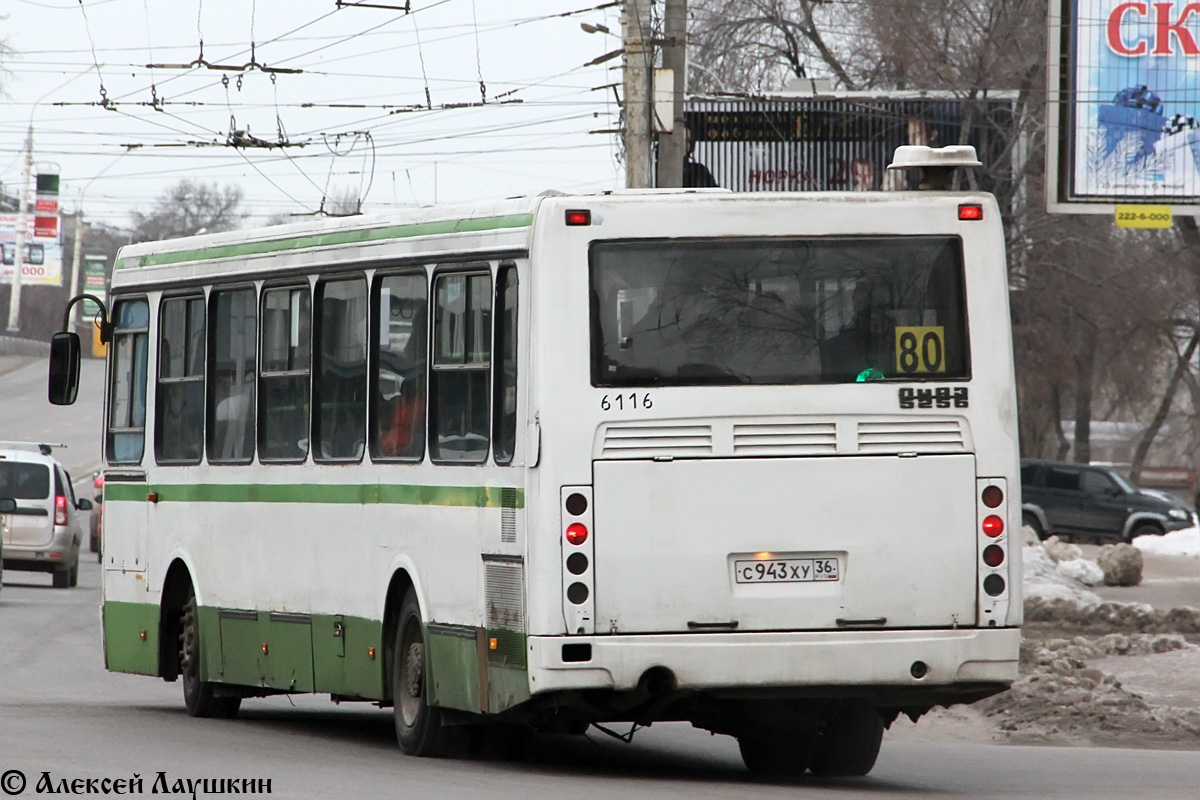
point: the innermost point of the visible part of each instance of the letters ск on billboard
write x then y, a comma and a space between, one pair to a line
1129, 102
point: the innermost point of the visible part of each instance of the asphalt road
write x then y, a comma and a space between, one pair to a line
61, 713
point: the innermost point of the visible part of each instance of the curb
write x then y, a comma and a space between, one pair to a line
13, 346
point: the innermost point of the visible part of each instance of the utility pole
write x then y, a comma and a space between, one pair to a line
672, 147
76, 256
14, 299
638, 68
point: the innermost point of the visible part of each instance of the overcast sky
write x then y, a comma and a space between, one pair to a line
124, 156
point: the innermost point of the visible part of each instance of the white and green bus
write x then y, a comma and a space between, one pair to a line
748, 461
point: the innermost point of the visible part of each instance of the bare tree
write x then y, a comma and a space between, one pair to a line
753, 45
188, 208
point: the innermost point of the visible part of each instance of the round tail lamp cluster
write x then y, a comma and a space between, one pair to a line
995, 553
576, 534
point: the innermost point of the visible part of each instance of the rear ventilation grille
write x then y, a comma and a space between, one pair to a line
784, 438
642, 441
504, 591
508, 515
917, 436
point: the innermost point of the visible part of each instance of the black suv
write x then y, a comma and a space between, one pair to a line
1079, 501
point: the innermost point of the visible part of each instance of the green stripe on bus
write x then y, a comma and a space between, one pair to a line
331, 238
356, 494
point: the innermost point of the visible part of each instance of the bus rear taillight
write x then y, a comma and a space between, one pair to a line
577, 533
60, 510
993, 568
578, 553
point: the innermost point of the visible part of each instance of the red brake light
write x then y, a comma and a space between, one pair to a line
60, 510
970, 211
993, 526
98, 482
993, 555
993, 496
579, 217
577, 533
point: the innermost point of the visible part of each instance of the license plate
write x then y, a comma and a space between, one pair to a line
787, 570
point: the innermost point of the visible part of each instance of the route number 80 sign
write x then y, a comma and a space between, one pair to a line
920, 349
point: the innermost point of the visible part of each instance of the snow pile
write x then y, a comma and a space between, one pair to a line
1060, 694
1084, 570
1056, 593
1047, 578
1178, 543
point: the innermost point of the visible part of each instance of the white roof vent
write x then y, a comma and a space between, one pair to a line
937, 165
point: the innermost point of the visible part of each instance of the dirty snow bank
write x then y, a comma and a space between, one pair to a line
1059, 694
1178, 543
1055, 594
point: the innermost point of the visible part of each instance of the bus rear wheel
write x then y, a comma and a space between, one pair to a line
776, 753
199, 696
419, 728
850, 744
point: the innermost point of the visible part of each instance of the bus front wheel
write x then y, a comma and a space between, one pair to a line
419, 728
199, 696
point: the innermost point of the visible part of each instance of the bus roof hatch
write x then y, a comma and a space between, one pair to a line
937, 165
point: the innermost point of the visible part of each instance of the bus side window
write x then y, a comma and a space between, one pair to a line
460, 386
399, 358
284, 382
232, 374
126, 437
505, 381
179, 399
340, 395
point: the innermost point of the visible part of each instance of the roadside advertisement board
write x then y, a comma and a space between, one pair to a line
94, 283
43, 251
1125, 104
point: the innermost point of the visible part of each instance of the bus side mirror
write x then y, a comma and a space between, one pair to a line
64, 368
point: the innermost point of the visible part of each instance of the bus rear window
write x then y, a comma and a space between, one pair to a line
777, 311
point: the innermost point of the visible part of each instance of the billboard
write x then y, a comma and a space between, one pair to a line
43, 251
95, 282
1125, 104
42, 262
839, 143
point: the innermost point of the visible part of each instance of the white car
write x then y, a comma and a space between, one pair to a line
43, 531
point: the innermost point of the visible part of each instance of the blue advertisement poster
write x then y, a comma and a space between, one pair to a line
1134, 101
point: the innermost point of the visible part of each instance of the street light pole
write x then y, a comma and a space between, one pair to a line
14, 298
638, 67
79, 229
672, 147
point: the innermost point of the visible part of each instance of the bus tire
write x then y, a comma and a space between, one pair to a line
850, 744
773, 753
418, 724
199, 696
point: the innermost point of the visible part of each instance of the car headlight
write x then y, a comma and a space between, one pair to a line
1178, 513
